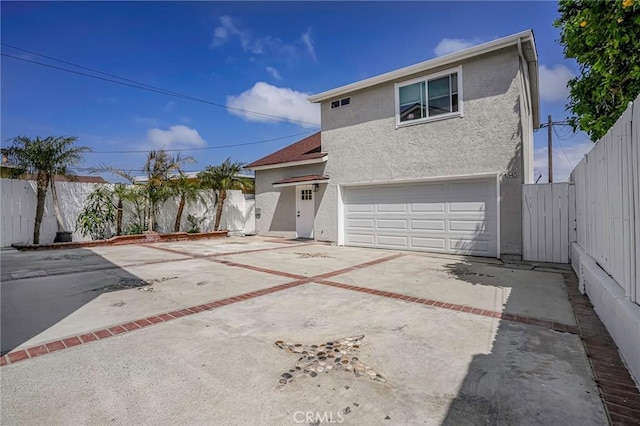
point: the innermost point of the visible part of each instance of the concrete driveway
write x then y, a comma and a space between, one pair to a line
184, 333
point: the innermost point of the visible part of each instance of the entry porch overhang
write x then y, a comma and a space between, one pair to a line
301, 180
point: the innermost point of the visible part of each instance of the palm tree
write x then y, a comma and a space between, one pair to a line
159, 169
120, 193
187, 191
221, 179
46, 158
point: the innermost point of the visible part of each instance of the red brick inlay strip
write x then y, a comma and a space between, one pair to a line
173, 251
360, 266
455, 307
131, 326
619, 392
231, 253
258, 269
260, 249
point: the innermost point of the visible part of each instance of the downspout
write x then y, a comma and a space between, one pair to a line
525, 73
526, 107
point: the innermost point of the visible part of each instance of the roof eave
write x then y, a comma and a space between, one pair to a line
500, 43
289, 163
307, 182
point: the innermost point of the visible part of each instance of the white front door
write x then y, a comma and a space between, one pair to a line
304, 211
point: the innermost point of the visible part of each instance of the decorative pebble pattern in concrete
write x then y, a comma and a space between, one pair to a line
338, 354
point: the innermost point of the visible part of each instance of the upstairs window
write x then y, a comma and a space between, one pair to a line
429, 97
340, 102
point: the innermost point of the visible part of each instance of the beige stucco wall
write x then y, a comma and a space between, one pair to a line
277, 206
364, 144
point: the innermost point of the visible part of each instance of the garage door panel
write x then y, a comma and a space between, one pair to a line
467, 206
448, 217
361, 223
467, 225
361, 239
428, 225
392, 208
426, 207
393, 241
471, 245
359, 208
429, 243
395, 224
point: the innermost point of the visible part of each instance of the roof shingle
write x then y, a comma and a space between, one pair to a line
305, 149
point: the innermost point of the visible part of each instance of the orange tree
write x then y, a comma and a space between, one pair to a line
604, 39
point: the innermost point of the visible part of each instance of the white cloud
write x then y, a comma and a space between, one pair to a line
450, 45
283, 102
553, 82
308, 43
175, 137
229, 29
563, 162
274, 73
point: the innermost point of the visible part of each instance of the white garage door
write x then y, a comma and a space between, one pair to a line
447, 217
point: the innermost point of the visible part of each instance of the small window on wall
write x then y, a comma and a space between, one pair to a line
306, 194
429, 97
340, 102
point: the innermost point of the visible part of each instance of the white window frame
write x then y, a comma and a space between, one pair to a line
426, 78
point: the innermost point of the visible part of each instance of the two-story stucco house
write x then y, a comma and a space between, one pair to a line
430, 157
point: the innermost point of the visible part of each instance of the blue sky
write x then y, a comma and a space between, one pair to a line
264, 57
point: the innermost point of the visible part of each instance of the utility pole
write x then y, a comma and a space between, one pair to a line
549, 149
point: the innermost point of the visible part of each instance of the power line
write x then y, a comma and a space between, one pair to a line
142, 86
83, 67
562, 148
203, 148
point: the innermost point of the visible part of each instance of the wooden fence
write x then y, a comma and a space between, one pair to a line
599, 209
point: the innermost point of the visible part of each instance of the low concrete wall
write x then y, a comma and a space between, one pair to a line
617, 312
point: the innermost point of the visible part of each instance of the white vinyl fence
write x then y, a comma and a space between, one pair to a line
547, 222
607, 183
598, 215
19, 206
19, 210
605, 256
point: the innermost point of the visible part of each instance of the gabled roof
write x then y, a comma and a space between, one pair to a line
306, 150
524, 40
